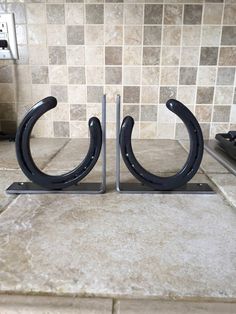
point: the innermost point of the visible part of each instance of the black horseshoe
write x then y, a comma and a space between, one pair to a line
25, 159
190, 167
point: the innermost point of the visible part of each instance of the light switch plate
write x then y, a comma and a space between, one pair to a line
8, 32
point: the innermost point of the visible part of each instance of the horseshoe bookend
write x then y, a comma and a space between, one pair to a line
70, 181
148, 182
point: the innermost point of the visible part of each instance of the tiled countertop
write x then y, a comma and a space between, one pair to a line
114, 245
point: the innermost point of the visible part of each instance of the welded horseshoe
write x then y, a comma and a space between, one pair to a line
191, 165
25, 159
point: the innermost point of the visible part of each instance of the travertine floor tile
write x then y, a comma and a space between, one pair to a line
227, 185
119, 245
53, 305
42, 150
158, 307
209, 164
7, 178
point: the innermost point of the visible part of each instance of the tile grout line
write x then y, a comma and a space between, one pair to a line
115, 306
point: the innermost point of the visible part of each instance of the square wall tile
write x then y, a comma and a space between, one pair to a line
150, 75
113, 55
209, 56
221, 113
211, 35
74, 13
6, 74
75, 55
55, 14
94, 94
39, 74
190, 56
191, 35
173, 14
36, 13
61, 129
205, 95
169, 75
150, 94
75, 35
152, 35
78, 112
56, 34
60, 92
58, 74
77, 94
149, 113
227, 56
225, 76
133, 14
113, 35
94, 35
206, 75
94, 13
94, 55
113, 75
76, 75
132, 55
153, 14
95, 75
203, 113
166, 93
170, 55
224, 95
57, 55
132, 75
188, 76
212, 13
114, 13
192, 14
131, 94
171, 36
131, 110
230, 14
228, 36
37, 34
151, 56
133, 35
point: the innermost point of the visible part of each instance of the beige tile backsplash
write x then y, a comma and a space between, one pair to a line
146, 50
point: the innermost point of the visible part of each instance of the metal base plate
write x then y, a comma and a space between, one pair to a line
32, 188
189, 188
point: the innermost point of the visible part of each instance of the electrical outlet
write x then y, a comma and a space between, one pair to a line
3, 28
8, 33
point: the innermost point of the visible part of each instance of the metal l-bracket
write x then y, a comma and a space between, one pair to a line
139, 188
81, 187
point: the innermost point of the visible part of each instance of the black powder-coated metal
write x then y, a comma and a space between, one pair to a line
190, 167
26, 161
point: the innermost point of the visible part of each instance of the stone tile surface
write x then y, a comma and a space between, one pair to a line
42, 151
7, 178
227, 185
154, 307
55, 305
209, 164
117, 245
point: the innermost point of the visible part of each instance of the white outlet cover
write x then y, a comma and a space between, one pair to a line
8, 32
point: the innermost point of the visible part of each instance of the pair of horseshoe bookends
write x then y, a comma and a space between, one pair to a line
69, 182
